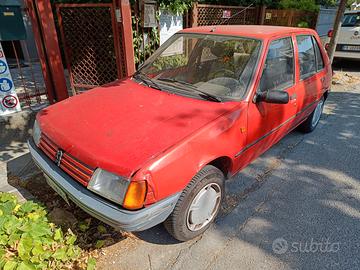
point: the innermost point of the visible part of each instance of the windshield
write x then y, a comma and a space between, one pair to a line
212, 65
351, 19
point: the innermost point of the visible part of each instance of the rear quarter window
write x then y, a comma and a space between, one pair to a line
319, 58
307, 58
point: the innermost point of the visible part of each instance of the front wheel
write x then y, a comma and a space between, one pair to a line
198, 205
312, 121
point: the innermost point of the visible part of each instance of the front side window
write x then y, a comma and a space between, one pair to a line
306, 56
278, 72
219, 65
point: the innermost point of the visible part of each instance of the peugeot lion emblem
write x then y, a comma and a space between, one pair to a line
58, 157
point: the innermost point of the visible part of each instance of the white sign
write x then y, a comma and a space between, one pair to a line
169, 25
9, 101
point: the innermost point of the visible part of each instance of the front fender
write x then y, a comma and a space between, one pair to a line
171, 171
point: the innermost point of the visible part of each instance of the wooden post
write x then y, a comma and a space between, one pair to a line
30, 8
290, 18
127, 35
261, 14
52, 50
336, 28
194, 15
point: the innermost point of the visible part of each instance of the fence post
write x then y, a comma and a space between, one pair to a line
127, 42
290, 18
261, 14
194, 15
30, 8
52, 50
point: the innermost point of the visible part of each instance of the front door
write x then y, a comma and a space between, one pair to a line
267, 123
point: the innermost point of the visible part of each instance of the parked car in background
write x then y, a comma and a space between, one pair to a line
158, 146
348, 44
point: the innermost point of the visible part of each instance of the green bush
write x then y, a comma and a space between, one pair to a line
170, 62
308, 5
29, 241
303, 24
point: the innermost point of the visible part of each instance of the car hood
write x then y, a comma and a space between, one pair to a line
121, 126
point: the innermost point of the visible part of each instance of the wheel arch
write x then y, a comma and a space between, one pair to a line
223, 163
326, 94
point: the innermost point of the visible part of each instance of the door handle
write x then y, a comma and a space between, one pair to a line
293, 97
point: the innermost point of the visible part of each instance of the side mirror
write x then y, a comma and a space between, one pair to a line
277, 97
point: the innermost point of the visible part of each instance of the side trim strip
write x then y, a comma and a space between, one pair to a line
274, 130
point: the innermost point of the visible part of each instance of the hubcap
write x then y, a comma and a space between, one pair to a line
317, 113
204, 207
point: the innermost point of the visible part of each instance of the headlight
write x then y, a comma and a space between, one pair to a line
109, 185
36, 133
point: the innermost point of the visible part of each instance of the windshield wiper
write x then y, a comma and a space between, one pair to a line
147, 80
194, 88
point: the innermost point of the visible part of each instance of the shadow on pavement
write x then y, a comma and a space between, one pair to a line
316, 198
346, 65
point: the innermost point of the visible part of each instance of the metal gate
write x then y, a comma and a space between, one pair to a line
28, 79
25, 70
91, 44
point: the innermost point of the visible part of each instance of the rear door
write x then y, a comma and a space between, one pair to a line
312, 75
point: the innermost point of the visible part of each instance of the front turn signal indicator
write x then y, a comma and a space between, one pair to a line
135, 195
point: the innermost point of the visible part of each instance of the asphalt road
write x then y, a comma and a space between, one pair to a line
295, 207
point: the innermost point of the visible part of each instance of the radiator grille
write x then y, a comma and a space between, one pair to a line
69, 164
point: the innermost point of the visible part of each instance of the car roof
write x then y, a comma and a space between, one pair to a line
255, 31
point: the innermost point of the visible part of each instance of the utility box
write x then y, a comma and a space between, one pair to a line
11, 21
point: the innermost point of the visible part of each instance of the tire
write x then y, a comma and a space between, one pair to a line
313, 119
205, 191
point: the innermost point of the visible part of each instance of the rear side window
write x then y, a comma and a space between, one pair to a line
278, 71
307, 57
319, 59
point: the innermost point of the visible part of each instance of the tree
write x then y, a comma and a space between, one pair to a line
308, 5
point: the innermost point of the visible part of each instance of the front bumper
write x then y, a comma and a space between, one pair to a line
98, 207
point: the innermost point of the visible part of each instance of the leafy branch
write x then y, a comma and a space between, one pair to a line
29, 241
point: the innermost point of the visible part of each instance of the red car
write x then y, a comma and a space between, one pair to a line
158, 146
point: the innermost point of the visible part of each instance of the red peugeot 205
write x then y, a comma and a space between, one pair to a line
159, 145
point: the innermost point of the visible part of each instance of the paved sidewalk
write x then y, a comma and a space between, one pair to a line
14, 157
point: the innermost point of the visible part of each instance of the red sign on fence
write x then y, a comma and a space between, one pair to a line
10, 101
226, 14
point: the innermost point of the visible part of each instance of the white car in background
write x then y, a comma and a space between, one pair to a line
348, 45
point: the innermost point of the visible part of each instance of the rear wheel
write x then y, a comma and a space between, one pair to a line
198, 205
313, 120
